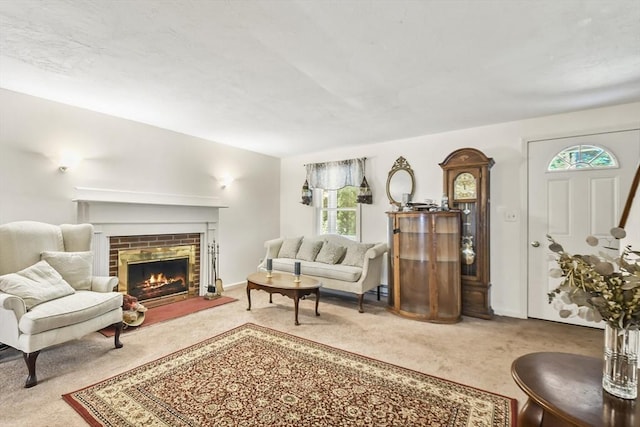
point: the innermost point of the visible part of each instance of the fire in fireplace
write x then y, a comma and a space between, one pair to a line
157, 275
147, 280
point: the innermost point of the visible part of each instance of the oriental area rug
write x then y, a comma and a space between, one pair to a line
256, 376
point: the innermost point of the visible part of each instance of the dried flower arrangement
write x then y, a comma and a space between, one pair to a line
598, 287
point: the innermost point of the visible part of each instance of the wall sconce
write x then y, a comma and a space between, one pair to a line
364, 195
226, 181
68, 160
307, 195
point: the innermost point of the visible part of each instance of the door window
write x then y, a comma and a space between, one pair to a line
582, 157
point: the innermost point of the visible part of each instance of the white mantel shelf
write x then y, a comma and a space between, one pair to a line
104, 195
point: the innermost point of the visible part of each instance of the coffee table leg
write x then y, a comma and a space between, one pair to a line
249, 297
317, 301
531, 415
296, 299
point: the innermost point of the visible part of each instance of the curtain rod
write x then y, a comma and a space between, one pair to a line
358, 158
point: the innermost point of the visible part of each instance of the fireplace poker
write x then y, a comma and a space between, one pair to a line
218, 281
211, 288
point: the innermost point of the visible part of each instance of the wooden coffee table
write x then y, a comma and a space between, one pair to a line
566, 390
282, 283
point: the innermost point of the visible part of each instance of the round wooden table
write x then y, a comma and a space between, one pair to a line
566, 390
283, 283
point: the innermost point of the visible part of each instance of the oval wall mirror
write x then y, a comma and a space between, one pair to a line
400, 181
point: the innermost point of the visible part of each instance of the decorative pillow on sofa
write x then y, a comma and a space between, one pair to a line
330, 253
309, 249
289, 247
36, 284
74, 267
355, 254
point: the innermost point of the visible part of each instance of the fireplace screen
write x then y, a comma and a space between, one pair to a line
156, 273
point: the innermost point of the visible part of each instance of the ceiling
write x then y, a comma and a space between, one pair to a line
298, 76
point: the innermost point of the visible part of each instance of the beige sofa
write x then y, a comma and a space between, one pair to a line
48, 294
338, 262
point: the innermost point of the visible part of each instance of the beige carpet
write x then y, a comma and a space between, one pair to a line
257, 376
474, 352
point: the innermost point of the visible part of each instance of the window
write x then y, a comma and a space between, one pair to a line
336, 186
338, 212
582, 157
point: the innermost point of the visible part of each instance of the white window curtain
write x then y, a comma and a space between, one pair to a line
335, 175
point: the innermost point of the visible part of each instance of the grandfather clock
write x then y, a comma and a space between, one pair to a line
466, 183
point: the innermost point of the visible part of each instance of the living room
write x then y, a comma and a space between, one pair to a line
131, 158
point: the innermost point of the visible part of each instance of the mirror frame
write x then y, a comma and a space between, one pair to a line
400, 164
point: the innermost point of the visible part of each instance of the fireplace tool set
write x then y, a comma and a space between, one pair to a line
214, 289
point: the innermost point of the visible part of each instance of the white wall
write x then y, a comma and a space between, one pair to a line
504, 142
124, 155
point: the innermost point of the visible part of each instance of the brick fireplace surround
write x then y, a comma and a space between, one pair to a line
131, 220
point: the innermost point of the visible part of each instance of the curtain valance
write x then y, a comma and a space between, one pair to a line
335, 175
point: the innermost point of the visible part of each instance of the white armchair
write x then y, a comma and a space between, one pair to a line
48, 294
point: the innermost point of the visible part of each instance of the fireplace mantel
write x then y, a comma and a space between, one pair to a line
105, 195
130, 213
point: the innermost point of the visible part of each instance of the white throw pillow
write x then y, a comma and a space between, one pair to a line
36, 284
75, 267
289, 247
330, 253
309, 249
355, 254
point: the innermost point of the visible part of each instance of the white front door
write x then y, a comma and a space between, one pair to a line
571, 205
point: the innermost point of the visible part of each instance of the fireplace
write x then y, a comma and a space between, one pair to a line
152, 271
125, 220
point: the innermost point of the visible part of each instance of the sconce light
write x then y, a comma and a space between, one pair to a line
307, 195
68, 160
226, 181
364, 195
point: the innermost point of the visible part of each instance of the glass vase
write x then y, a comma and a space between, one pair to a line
620, 370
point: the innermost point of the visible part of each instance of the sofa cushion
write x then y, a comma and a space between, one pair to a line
74, 267
309, 250
355, 254
69, 310
290, 247
317, 269
330, 253
36, 284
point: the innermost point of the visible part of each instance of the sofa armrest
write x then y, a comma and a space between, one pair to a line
372, 267
377, 251
273, 247
103, 283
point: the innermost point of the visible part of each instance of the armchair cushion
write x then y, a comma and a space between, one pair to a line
36, 284
74, 267
82, 306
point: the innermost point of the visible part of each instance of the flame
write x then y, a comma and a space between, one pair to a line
157, 278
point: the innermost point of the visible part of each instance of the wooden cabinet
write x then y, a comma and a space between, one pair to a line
466, 183
424, 265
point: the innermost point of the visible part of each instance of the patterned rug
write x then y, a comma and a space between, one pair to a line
256, 376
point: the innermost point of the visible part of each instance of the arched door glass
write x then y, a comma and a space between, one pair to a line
583, 157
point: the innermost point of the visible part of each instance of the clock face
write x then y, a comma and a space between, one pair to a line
464, 187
